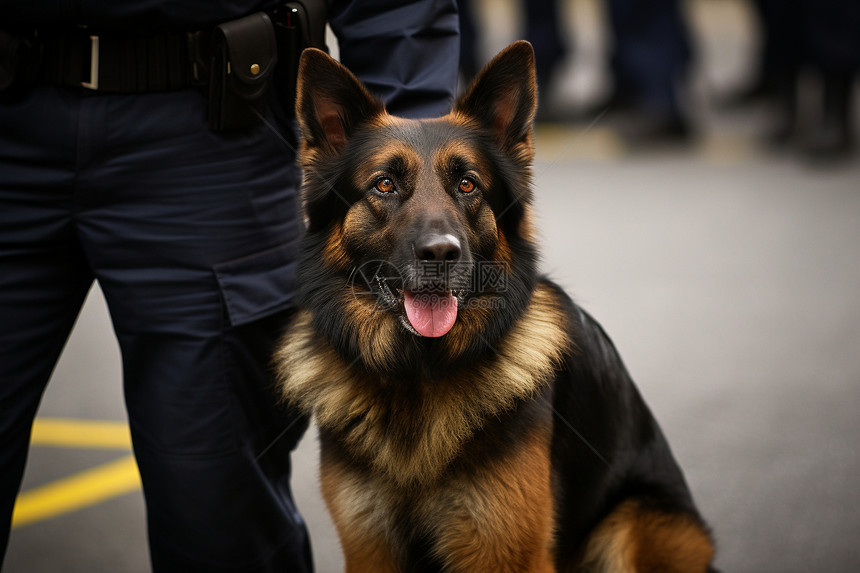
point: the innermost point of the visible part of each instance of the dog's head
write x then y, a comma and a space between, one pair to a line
419, 231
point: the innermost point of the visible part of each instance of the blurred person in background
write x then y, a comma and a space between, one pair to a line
543, 28
823, 38
650, 68
832, 38
649, 64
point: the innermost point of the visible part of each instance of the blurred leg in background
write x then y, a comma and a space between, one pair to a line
781, 60
542, 27
832, 37
650, 66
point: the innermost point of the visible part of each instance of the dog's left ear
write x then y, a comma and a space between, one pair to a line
330, 102
503, 98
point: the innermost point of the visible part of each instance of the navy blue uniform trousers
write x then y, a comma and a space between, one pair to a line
191, 236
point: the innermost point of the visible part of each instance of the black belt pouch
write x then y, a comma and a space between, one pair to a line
243, 63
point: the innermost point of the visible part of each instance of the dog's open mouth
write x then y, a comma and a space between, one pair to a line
430, 313
425, 308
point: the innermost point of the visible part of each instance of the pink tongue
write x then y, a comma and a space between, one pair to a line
431, 314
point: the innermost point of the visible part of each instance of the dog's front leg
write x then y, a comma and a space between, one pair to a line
360, 517
366, 556
501, 517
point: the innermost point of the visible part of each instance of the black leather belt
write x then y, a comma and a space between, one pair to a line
124, 64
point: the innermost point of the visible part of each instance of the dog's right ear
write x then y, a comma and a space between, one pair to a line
330, 102
503, 98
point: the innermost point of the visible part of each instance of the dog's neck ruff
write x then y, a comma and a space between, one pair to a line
365, 414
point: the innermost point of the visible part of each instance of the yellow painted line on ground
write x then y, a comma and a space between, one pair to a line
728, 150
560, 143
77, 491
86, 488
86, 434
555, 143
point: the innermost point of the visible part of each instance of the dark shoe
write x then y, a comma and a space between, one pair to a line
757, 92
610, 105
785, 119
656, 129
832, 137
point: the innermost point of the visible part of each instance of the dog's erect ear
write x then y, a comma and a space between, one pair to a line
503, 97
330, 102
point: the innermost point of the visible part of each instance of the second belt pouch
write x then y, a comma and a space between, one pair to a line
244, 59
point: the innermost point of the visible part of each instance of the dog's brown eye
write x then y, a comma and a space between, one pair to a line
467, 185
384, 185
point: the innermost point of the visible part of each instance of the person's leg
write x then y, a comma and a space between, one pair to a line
652, 50
651, 60
470, 57
545, 30
785, 38
43, 275
192, 236
831, 35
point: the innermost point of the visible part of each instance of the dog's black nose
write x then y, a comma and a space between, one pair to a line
438, 247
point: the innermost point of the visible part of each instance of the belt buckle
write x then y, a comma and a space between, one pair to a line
93, 84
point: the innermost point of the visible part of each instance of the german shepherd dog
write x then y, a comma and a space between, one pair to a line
471, 416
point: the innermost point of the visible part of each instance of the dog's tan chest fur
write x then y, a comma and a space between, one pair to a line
497, 519
359, 410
